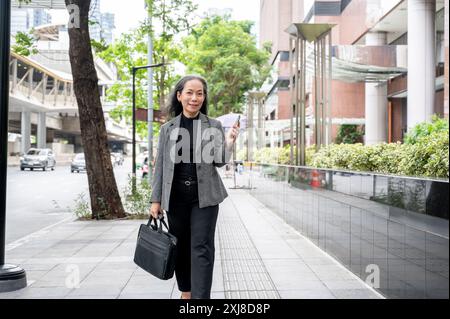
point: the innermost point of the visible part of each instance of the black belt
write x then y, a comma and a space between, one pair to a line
187, 183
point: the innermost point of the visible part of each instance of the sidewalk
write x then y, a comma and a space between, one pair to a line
257, 256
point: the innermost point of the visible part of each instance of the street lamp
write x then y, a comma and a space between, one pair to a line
11, 277
134, 71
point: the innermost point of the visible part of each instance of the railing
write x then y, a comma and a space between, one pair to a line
391, 229
40, 86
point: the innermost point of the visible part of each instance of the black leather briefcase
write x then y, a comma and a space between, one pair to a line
156, 249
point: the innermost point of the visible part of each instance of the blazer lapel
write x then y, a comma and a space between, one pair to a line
174, 125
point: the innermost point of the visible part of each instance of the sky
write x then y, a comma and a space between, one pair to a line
129, 13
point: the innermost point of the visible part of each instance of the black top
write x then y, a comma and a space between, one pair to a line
186, 171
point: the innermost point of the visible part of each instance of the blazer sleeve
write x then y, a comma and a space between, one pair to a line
227, 151
158, 174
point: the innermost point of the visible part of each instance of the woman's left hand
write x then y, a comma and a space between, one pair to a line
232, 135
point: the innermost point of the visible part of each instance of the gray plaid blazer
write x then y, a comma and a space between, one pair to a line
211, 190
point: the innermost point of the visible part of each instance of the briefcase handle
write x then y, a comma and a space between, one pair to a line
156, 227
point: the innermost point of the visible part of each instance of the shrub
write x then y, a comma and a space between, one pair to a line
426, 153
278, 155
428, 156
425, 129
137, 204
384, 158
82, 209
349, 134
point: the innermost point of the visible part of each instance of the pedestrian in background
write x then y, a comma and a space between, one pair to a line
186, 184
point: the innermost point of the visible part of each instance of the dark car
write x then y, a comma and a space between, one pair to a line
40, 158
78, 163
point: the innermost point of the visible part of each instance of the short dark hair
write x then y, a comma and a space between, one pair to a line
174, 107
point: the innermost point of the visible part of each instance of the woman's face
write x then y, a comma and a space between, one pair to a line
192, 97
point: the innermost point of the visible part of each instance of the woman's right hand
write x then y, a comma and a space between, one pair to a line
155, 210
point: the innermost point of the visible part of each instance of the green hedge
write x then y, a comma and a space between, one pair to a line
276, 155
426, 153
428, 157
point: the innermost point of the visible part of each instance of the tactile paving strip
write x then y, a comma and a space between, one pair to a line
244, 274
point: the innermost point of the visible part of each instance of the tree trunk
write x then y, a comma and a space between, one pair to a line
105, 198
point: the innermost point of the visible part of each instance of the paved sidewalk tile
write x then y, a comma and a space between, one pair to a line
258, 256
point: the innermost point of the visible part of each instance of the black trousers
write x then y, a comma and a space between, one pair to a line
194, 228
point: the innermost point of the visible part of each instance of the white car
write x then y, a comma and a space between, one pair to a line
78, 163
41, 158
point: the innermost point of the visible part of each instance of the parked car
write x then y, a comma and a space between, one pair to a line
41, 158
78, 163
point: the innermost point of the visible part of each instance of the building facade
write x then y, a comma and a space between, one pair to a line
25, 19
406, 39
107, 27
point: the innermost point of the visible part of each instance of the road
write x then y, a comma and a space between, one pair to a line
37, 199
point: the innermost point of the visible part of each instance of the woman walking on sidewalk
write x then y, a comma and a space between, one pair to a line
186, 184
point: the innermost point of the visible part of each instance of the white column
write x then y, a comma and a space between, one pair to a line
41, 131
376, 113
421, 60
440, 47
272, 139
25, 132
376, 103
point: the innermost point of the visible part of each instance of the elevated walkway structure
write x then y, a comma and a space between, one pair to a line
37, 88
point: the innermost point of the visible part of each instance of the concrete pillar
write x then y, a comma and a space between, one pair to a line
376, 101
41, 131
440, 47
272, 139
376, 113
25, 132
421, 60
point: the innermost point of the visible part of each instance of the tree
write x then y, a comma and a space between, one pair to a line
105, 198
225, 53
128, 51
171, 17
25, 44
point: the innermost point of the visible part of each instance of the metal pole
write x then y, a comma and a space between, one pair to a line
11, 277
316, 102
133, 170
298, 102
323, 91
303, 103
4, 67
150, 98
291, 107
134, 70
330, 79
